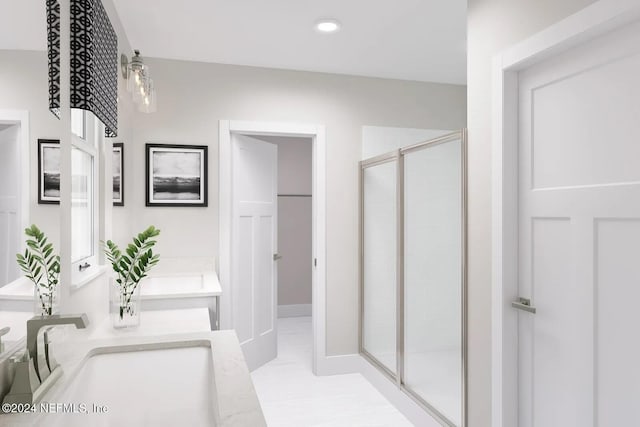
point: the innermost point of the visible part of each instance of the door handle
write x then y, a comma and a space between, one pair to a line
276, 257
523, 304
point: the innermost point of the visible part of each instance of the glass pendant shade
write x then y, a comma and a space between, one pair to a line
140, 84
147, 102
137, 73
140, 87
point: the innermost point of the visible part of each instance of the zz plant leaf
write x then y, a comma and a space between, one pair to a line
41, 265
133, 265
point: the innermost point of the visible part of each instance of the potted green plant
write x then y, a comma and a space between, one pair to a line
41, 265
130, 266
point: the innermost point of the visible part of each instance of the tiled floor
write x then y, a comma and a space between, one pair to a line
291, 396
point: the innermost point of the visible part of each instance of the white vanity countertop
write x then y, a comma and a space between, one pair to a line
186, 285
17, 321
236, 401
22, 288
158, 322
19, 289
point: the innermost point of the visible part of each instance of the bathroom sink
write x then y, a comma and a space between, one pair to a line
165, 384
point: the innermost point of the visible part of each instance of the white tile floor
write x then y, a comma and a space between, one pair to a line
291, 396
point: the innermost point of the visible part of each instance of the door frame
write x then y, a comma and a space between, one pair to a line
317, 134
21, 117
593, 21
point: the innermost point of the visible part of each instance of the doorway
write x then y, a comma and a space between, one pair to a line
249, 151
295, 205
14, 190
567, 224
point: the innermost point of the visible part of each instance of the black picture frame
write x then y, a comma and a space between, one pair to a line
48, 171
118, 174
176, 175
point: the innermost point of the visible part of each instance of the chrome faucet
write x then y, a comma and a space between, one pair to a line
33, 328
35, 373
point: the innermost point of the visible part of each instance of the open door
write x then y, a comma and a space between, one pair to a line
254, 243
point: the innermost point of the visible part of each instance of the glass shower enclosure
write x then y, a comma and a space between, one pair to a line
413, 271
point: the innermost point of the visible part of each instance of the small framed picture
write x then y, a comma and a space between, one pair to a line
176, 175
118, 174
48, 171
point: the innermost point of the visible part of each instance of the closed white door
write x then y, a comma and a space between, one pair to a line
254, 243
10, 220
579, 236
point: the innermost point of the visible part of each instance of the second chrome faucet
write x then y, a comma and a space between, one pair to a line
36, 371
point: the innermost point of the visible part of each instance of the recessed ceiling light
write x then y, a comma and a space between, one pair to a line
328, 26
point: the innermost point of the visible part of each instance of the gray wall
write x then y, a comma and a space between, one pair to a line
294, 219
193, 97
493, 25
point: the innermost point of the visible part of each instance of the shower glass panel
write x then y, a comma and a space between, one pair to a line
379, 253
413, 272
433, 276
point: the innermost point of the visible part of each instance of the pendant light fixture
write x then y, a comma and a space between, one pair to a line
139, 82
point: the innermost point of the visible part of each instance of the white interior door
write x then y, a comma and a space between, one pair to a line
10, 216
254, 243
579, 236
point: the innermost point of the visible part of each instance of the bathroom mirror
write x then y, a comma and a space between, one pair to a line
25, 119
28, 189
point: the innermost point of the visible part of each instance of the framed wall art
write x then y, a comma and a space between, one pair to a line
48, 171
176, 175
118, 174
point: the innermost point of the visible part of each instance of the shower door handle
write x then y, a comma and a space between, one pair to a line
523, 304
276, 257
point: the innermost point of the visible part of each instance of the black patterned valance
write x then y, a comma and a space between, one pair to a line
53, 55
94, 63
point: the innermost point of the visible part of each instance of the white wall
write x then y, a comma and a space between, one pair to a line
192, 97
493, 25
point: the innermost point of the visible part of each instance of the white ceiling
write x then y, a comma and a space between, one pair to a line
421, 40
23, 25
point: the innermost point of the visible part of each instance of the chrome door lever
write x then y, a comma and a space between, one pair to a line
523, 304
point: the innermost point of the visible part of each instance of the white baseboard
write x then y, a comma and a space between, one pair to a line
294, 310
354, 363
339, 365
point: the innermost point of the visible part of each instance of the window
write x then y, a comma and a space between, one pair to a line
84, 210
78, 122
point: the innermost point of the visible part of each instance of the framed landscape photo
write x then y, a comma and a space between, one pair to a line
48, 171
118, 174
176, 175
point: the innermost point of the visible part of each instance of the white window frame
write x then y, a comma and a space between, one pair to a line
89, 145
